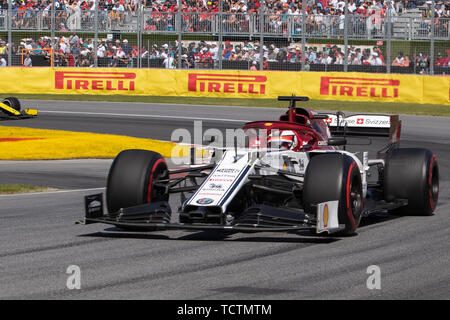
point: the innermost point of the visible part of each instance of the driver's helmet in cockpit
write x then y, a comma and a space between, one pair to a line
283, 140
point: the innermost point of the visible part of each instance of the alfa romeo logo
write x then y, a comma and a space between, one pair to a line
204, 201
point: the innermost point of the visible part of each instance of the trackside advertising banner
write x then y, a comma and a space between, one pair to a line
232, 84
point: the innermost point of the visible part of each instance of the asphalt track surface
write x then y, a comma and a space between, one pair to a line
39, 240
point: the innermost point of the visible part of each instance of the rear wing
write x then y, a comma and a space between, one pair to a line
362, 124
293, 98
292, 110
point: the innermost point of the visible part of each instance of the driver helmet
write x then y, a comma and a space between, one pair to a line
286, 140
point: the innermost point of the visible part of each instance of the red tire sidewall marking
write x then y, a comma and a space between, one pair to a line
430, 191
150, 182
349, 210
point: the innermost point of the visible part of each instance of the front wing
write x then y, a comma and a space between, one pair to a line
257, 218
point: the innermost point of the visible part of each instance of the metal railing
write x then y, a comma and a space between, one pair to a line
318, 26
263, 29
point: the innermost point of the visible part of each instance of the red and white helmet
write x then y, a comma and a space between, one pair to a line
286, 140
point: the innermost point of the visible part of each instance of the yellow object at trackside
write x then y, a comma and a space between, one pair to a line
31, 112
18, 143
9, 110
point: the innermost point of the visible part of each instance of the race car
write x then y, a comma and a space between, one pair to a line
10, 109
291, 175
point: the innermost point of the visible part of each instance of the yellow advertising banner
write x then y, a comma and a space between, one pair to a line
232, 84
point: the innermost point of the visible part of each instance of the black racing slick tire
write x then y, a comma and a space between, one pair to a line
131, 179
335, 176
412, 174
13, 103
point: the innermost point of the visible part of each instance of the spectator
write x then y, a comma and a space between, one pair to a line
121, 11
101, 50
422, 63
112, 55
76, 49
380, 54
265, 64
169, 62
84, 51
126, 48
326, 58
185, 64
70, 59
447, 60
27, 61
214, 51
113, 18
73, 39
272, 55
206, 58
121, 55
399, 60
145, 54
440, 61
3, 48
407, 61
311, 55
365, 60
376, 60
28, 44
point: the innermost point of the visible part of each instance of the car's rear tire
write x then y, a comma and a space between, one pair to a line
131, 179
412, 174
13, 103
335, 176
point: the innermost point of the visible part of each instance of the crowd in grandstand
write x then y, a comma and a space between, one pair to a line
292, 6
365, 16
321, 14
206, 55
74, 51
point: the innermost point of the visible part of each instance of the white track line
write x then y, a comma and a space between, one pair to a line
152, 103
49, 192
139, 115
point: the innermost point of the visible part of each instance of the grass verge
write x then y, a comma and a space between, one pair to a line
22, 188
376, 107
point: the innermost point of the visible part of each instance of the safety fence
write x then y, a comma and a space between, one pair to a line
234, 84
379, 39
289, 25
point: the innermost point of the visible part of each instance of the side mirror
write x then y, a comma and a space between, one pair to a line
337, 141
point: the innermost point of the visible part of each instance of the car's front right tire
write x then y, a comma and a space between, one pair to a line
335, 176
131, 179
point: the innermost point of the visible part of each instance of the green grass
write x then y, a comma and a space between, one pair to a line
21, 188
375, 107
